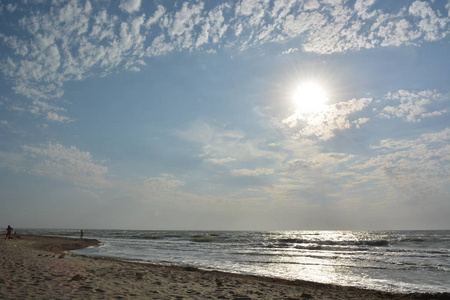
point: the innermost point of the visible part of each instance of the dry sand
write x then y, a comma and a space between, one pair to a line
35, 268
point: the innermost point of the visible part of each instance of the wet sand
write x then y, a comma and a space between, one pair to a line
37, 268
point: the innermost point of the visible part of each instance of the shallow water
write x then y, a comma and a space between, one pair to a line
402, 261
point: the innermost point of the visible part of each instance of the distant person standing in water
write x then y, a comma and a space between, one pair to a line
8, 232
81, 234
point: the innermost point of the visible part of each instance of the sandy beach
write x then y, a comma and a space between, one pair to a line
38, 268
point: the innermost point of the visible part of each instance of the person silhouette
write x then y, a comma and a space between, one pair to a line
8, 232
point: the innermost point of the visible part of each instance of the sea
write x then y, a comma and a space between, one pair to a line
397, 261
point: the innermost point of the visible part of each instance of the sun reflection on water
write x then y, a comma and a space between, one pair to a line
311, 261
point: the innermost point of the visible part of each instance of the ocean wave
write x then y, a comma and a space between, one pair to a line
202, 239
287, 242
413, 259
412, 240
147, 237
325, 264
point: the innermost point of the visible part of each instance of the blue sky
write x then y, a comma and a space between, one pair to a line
187, 115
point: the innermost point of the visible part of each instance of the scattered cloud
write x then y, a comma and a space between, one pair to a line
360, 121
431, 26
324, 124
416, 168
67, 164
221, 145
75, 40
300, 164
254, 173
326, 161
163, 183
290, 50
411, 105
336, 118
52, 116
164, 187
220, 161
184, 22
130, 6
11, 7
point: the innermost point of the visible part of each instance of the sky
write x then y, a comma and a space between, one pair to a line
225, 115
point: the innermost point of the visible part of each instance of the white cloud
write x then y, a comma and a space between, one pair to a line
338, 28
213, 29
334, 118
202, 132
401, 171
360, 121
75, 40
221, 145
130, 6
253, 173
254, 9
442, 136
411, 105
67, 164
362, 7
52, 113
65, 47
333, 158
397, 32
11, 7
410, 169
311, 5
300, 164
321, 160
159, 13
163, 183
159, 46
295, 25
290, 50
220, 161
52, 116
162, 188
431, 26
185, 20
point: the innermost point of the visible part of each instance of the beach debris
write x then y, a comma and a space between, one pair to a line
218, 282
190, 269
306, 296
62, 256
139, 275
78, 277
242, 297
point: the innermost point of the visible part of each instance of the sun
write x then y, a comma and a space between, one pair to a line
310, 98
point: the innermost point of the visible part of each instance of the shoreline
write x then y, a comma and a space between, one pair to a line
36, 267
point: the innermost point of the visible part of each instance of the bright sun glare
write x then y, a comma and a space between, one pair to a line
310, 97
